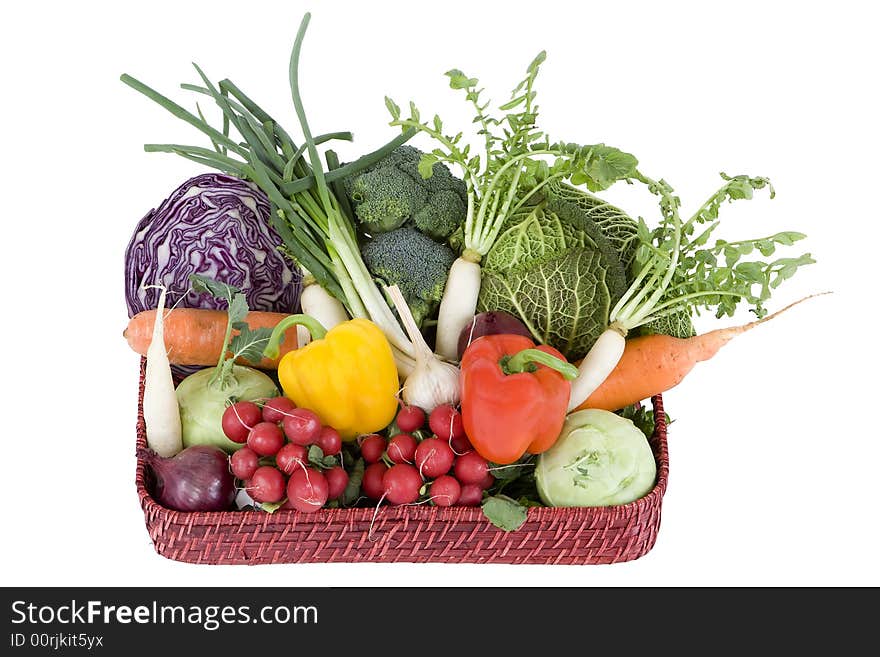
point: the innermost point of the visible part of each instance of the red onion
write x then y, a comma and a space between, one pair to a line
195, 479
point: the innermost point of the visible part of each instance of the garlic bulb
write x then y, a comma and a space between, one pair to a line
432, 381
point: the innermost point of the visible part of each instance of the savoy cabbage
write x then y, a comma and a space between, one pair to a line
552, 267
622, 232
560, 263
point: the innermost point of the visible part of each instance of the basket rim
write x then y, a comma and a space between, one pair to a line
403, 512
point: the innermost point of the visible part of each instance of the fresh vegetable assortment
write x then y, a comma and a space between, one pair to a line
468, 324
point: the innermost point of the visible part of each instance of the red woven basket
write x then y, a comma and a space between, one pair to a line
584, 535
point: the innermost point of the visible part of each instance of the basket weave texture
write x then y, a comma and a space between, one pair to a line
583, 535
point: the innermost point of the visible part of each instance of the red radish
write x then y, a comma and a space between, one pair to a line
410, 418
267, 484
471, 495
402, 448
290, 457
244, 463
445, 490
238, 420
446, 423
337, 480
487, 481
277, 408
265, 439
471, 468
329, 441
372, 447
302, 426
433, 457
402, 483
460, 444
371, 484
307, 490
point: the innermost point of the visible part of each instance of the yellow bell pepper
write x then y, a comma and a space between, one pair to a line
346, 375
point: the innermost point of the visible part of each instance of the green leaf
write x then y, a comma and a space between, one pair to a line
458, 80
703, 237
788, 238
766, 247
608, 165
316, 454
751, 271
731, 255
319, 460
740, 187
393, 108
504, 512
641, 417
537, 61
426, 165
249, 344
510, 104
414, 112
512, 471
238, 308
203, 284
353, 488
272, 507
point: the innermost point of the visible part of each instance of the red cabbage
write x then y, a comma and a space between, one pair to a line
218, 226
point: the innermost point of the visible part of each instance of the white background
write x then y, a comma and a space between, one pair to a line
774, 449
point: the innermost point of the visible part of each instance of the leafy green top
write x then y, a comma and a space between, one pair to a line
517, 160
674, 269
678, 269
247, 343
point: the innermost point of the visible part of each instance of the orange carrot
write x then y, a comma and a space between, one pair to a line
194, 336
652, 364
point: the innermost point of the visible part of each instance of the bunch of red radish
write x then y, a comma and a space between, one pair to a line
275, 463
413, 466
441, 468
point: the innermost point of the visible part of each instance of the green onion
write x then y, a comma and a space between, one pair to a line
309, 212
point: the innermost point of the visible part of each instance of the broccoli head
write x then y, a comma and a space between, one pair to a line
415, 263
392, 193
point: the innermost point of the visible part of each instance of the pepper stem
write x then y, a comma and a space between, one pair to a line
520, 363
313, 326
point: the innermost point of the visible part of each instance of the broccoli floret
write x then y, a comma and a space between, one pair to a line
392, 193
415, 263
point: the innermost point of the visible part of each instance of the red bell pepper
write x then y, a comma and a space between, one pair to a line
514, 396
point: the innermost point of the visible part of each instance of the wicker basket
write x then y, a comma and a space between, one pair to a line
597, 535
